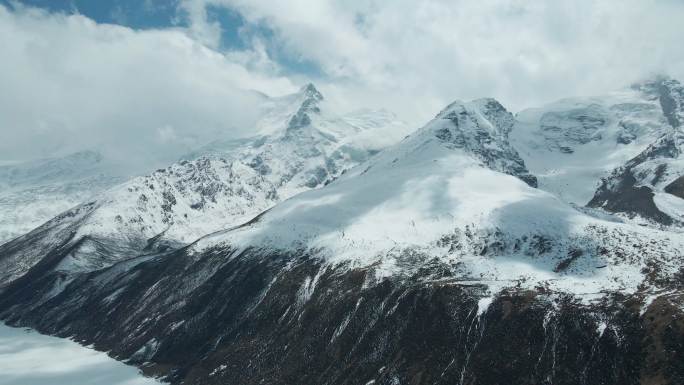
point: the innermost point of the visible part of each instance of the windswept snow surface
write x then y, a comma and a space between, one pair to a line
463, 203
29, 358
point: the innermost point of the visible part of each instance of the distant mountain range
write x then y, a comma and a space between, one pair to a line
545, 247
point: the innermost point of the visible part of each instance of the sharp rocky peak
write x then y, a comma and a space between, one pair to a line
483, 114
481, 128
310, 91
309, 105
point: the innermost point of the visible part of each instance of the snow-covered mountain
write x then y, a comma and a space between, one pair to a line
618, 152
651, 185
36, 191
435, 261
570, 145
300, 146
444, 193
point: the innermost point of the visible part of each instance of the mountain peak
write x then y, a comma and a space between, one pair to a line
455, 106
301, 117
481, 128
311, 92
479, 115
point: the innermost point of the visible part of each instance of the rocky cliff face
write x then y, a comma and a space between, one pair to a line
482, 129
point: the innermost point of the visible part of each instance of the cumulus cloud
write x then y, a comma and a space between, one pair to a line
143, 97
416, 56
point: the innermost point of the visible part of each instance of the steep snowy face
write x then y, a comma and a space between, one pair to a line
33, 192
573, 143
301, 146
452, 192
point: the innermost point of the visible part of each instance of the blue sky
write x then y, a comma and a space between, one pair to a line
161, 14
131, 13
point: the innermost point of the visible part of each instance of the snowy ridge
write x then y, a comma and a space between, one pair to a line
438, 194
221, 186
482, 128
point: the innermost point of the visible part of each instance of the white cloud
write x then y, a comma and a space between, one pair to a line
69, 83
416, 56
28, 358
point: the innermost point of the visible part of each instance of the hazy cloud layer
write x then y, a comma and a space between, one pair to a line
418, 55
28, 358
69, 83
139, 96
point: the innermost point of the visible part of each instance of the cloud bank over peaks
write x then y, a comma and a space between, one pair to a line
138, 96
417, 56
145, 95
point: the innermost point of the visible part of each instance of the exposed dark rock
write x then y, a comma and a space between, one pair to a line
282, 320
676, 188
668, 103
620, 194
624, 192
564, 264
310, 105
628, 132
659, 172
259, 165
316, 177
